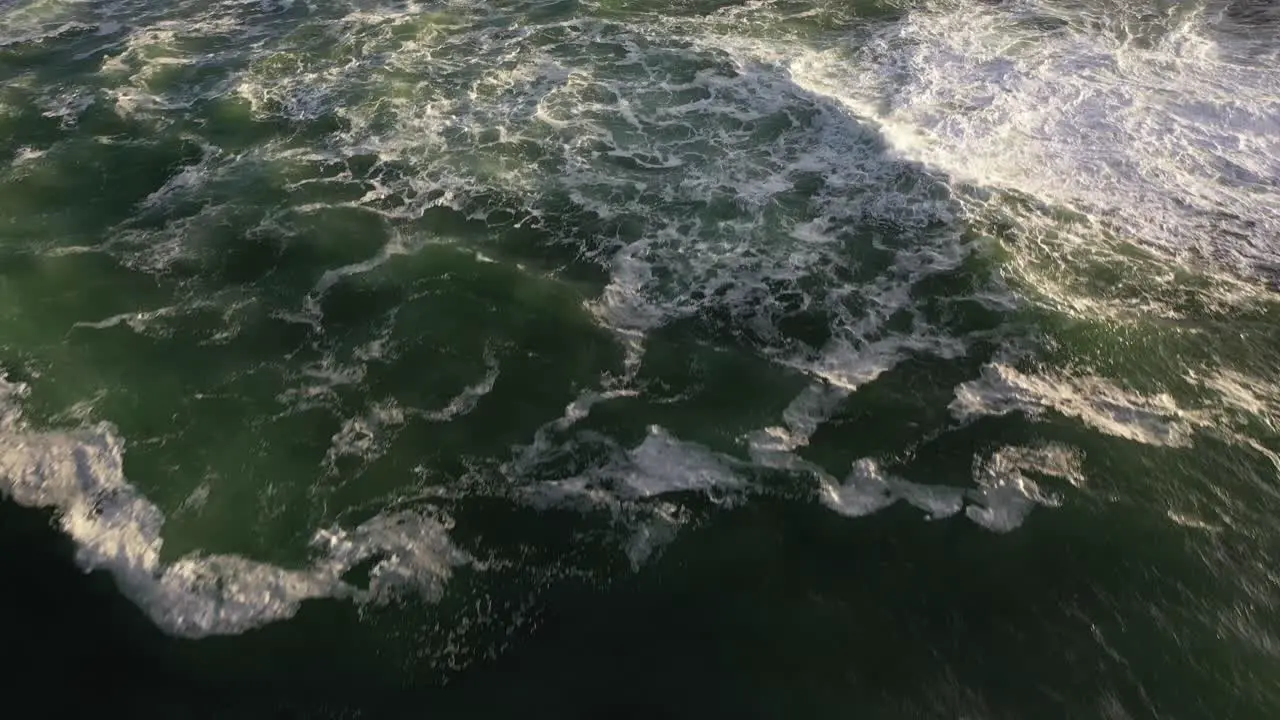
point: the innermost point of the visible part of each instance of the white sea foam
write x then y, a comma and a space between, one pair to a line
396, 246
1007, 492
1004, 491
466, 400
550, 115
1241, 393
30, 22
1159, 121
636, 486
79, 475
1097, 402
366, 436
413, 552
1237, 408
147, 321
748, 181
661, 464
27, 156
867, 489
774, 446
1004, 495
655, 531
1191, 522
155, 65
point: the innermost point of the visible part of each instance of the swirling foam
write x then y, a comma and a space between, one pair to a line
79, 475
1162, 122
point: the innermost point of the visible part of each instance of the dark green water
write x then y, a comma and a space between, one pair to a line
640, 359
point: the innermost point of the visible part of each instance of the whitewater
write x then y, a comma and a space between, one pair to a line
433, 310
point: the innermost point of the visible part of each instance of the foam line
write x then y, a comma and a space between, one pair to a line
79, 475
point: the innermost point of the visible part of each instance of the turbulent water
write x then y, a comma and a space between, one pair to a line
822, 358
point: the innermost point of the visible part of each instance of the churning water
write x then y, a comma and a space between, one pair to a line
600, 358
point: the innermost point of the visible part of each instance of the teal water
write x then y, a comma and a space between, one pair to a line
641, 359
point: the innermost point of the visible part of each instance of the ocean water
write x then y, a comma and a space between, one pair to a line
640, 358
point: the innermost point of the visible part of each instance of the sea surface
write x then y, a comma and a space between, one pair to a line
640, 358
